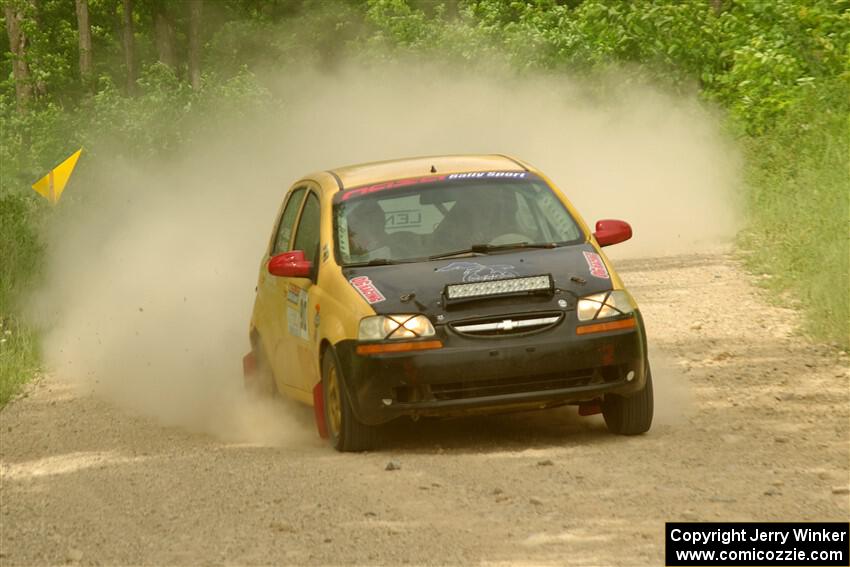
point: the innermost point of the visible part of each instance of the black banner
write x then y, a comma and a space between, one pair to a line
813, 544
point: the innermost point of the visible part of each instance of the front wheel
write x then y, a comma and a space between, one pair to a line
345, 432
630, 415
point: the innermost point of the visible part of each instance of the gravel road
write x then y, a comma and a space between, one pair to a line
753, 423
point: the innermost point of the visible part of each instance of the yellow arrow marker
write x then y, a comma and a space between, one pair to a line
51, 185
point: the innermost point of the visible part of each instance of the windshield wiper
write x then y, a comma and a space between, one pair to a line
382, 262
487, 248
374, 262
513, 245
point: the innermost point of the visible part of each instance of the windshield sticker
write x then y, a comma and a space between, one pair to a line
403, 219
360, 191
475, 272
489, 175
342, 228
596, 265
366, 189
367, 289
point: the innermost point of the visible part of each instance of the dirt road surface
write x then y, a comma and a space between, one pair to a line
752, 423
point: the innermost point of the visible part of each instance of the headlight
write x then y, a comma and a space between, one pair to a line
605, 304
380, 327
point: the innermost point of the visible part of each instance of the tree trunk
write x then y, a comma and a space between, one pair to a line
18, 47
129, 47
164, 32
195, 10
84, 29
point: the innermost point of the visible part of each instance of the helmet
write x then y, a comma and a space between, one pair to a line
366, 224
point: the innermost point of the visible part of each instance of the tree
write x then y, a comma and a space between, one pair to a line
84, 31
164, 34
129, 41
14, 13
195, 10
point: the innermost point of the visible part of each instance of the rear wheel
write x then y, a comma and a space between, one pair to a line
630, 415
345, 432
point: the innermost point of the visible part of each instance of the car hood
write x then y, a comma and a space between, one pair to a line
576, 270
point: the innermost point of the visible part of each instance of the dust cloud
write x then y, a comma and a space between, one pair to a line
152, 266
671, 388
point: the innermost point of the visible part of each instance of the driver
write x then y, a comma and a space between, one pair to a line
367, 235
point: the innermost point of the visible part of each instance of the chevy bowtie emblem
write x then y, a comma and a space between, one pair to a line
506, 325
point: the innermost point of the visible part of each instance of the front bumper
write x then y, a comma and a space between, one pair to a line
470, 375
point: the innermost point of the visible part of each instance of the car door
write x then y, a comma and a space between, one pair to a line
272, 291
302, 299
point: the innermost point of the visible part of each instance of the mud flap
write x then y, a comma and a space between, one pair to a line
249, 369
590, 408
319, 410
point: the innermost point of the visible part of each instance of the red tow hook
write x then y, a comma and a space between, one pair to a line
319, 410
592, 407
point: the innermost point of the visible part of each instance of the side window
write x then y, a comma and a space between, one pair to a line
287, 222
307, 236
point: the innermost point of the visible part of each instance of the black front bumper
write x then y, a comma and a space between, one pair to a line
470, 375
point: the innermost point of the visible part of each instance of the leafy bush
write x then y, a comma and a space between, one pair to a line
20, 250
799, 208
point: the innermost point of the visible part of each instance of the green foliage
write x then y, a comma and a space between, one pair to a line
19, 357
20, 250
20, 247
799, 206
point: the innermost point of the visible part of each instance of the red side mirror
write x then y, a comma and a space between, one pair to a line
610, 231
290, 265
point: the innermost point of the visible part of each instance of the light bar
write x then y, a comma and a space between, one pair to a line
498, 287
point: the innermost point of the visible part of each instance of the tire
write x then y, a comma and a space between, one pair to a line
263, 385
345, 432
630, 415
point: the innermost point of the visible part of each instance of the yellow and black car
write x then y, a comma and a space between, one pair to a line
442, 286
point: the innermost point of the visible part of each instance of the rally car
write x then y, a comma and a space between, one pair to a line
443, 286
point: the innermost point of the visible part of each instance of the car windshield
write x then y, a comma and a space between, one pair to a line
412, 220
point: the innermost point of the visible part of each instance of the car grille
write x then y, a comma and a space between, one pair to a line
503, 326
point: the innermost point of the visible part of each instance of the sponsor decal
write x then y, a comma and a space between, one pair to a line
366, 189
326, 253
475, 272
296, 315
293, 294
367, 289
292, 322
488, 175
596, 265
360, 191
